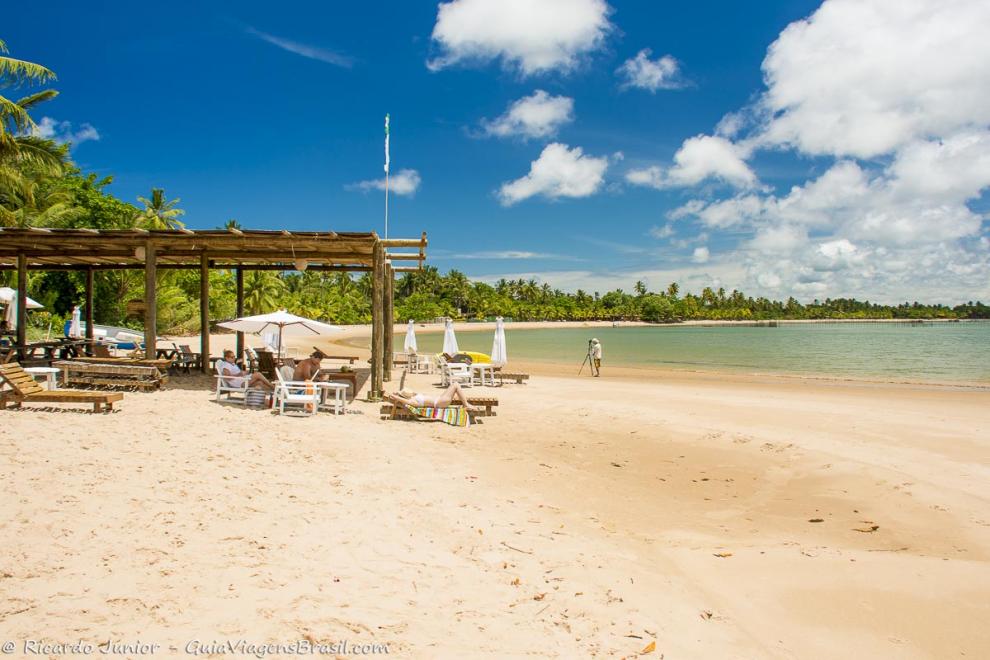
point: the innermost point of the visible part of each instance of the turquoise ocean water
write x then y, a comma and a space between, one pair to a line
929, 352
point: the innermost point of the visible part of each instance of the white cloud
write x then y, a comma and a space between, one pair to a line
559, 172
61, 131
305, 50
651, 75
403, 182
538, 115
864, 77
662, 232
700, 255
898, 95
699, 158
534, 37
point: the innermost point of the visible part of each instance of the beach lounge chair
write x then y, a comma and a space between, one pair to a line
24, 389
302, 394
502, 376
226, 386
391, 411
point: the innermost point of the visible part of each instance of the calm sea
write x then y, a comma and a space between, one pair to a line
929, 352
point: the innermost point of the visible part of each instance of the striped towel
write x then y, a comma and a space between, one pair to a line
455, 415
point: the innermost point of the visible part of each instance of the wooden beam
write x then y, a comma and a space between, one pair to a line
239, 277
90, 330
204, 313
402, 242
389, 320
22, 285
150, 301
377, 324
218, 266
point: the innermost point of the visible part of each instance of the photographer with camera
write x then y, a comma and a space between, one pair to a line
595, 351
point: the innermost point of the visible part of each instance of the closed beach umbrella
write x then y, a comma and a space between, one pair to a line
8, 297
499, 355
410, 345
75, 327
287, 325
449, 340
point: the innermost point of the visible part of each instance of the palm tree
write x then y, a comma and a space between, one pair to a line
14, 117
159, 213
673, 289
261, 291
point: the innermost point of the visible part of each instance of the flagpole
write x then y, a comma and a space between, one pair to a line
386, 174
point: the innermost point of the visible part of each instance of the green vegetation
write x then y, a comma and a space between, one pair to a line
39, 186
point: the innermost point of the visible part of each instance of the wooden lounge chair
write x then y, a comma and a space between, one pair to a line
391, 411
503, 376
24, 389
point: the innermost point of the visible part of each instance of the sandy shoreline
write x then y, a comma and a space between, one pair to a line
590, 517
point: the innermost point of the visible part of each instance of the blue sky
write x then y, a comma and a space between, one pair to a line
273, 115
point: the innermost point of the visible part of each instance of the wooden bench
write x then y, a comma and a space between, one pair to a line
24, 389
391, 411
77, 372
503, 376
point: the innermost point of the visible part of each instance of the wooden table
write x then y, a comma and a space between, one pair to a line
80, 372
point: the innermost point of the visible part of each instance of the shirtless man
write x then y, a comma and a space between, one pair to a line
306, 369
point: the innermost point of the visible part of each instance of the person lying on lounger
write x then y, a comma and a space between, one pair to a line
443, 400
234, 376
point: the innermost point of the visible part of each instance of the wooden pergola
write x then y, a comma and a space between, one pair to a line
89, 250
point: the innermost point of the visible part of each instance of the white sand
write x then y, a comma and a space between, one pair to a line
584, 519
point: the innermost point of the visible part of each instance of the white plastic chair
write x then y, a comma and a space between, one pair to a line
225, 387
294, 393
456, 372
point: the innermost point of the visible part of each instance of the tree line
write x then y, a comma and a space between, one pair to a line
41, 187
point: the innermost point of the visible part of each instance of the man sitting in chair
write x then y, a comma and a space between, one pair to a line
306, 369
443, 400
234, 376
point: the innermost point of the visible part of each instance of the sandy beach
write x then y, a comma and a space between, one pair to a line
686, 515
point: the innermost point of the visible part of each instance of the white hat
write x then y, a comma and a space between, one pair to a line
594, 340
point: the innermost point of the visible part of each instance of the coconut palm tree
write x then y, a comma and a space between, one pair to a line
160, 213
14, 117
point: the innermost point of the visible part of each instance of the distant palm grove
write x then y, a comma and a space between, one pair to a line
41, 187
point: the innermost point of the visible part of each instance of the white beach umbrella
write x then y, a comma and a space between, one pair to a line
8, 297
449, 340
410, 345
286, 323
499, 354
75, 326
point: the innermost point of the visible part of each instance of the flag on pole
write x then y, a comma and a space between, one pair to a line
386, 143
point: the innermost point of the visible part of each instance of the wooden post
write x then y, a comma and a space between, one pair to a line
204, 313
90, 330
239, 276
377, 322
22, 285
389, 319
150, 301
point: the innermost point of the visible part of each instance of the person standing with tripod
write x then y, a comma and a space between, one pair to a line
596, 357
